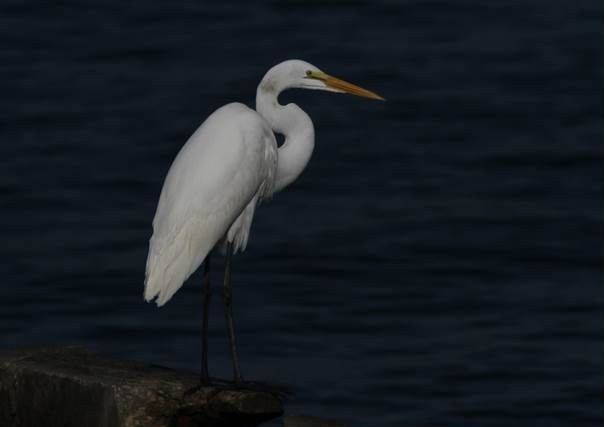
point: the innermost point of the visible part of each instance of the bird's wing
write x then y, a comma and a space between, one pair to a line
212, 179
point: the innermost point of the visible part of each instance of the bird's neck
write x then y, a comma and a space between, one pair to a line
291, 121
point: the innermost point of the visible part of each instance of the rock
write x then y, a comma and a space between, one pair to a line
71, 386
302, 421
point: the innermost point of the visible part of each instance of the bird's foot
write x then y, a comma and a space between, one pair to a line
216, 385
240, 384
203, 383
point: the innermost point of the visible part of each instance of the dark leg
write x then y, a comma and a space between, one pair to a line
228, 312
207, 295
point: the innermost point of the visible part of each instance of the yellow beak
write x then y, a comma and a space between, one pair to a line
342, 86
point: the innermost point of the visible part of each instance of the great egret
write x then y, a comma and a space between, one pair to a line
226, 168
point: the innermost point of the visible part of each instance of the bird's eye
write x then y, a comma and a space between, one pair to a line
308, 72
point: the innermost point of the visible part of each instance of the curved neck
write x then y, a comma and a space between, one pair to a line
291, 121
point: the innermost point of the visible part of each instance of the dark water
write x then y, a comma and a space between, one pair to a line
439, 263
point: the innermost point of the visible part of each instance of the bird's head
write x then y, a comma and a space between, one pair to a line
295, 73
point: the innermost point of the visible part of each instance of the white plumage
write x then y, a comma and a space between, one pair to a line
224, 170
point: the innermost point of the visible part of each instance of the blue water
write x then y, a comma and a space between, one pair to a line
439, 263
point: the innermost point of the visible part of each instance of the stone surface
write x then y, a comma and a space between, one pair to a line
71, 386
302, 421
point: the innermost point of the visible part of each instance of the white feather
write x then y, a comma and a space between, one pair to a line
225, 168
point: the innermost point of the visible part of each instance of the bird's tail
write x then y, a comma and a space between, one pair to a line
170, 262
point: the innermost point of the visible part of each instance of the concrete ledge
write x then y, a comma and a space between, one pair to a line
71, 386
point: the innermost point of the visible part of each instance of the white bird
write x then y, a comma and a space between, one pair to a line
222, 173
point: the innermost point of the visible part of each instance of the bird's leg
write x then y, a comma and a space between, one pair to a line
228, 312
207, 295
